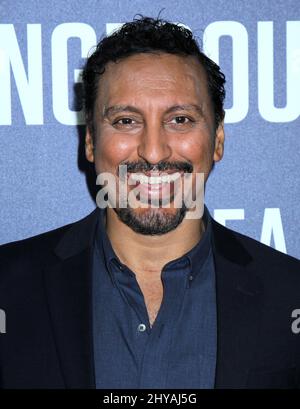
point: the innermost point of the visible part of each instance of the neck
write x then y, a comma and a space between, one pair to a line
146, 255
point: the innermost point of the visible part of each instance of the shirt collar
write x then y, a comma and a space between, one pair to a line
103, 244
195, 257
200, 252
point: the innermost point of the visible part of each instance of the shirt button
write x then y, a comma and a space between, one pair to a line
142, 327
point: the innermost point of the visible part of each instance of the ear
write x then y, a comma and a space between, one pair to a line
219, 142
89, 145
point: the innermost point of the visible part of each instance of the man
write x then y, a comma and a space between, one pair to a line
145, 296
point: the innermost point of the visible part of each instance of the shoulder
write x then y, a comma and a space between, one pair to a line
30, 253
275, 274
240, 247
23, 261
32, 247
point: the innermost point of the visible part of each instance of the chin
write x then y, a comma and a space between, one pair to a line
151, 221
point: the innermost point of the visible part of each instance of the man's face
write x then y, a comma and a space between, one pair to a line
153, 113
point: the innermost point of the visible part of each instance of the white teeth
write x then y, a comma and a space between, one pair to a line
175, 176
153, 180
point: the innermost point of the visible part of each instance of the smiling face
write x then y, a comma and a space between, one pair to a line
154, 109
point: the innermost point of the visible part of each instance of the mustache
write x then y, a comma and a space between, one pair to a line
136, 167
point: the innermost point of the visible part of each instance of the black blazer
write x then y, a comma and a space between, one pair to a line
45, 291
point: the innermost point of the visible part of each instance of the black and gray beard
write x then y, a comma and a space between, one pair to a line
151, 222
154, 221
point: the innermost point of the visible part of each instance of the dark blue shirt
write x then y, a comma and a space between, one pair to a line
179, 350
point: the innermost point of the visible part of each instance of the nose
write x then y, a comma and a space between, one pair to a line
154, 146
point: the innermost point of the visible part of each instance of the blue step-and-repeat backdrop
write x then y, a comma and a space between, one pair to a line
46, 181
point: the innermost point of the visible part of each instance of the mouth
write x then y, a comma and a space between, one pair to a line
155, 186
153, 178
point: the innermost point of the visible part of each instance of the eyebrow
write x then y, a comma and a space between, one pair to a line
115, 109
186, 107
118, 108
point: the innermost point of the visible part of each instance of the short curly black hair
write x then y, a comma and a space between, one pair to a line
145, 35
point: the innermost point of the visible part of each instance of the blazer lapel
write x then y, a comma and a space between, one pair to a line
239, 303
68, 285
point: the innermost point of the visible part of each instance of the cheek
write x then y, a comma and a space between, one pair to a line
110, 151
199, 151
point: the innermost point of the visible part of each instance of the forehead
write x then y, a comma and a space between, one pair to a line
156, 77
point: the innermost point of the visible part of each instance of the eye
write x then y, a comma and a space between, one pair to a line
180, 120
126, 123
180, 123
123, 121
